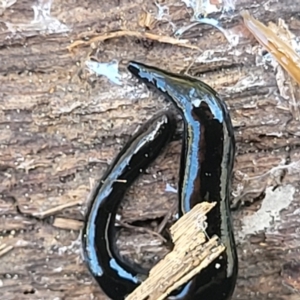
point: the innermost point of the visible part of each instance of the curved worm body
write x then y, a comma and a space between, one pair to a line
117, 277
206, 169
205, 175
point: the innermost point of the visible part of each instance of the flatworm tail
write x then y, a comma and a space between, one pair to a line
116, 276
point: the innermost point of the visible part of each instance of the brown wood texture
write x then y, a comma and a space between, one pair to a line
60, 127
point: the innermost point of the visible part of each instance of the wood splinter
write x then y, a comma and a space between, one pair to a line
191, 254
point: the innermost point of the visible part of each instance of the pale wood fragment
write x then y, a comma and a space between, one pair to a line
191, 254
53, 210
70, 224
4, 248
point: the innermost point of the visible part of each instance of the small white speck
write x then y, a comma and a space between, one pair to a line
170, 189
196, 102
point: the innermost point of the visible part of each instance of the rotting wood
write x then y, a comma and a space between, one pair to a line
190, 255
59, 131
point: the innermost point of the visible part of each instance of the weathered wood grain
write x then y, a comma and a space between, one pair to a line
60, 127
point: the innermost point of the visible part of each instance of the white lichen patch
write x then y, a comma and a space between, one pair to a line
107, 69
42, 22
202, 7
4, 4
269, 213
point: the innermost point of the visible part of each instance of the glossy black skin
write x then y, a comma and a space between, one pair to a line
117, 277
206, 170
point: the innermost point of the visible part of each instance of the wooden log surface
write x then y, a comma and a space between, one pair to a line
61, 127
